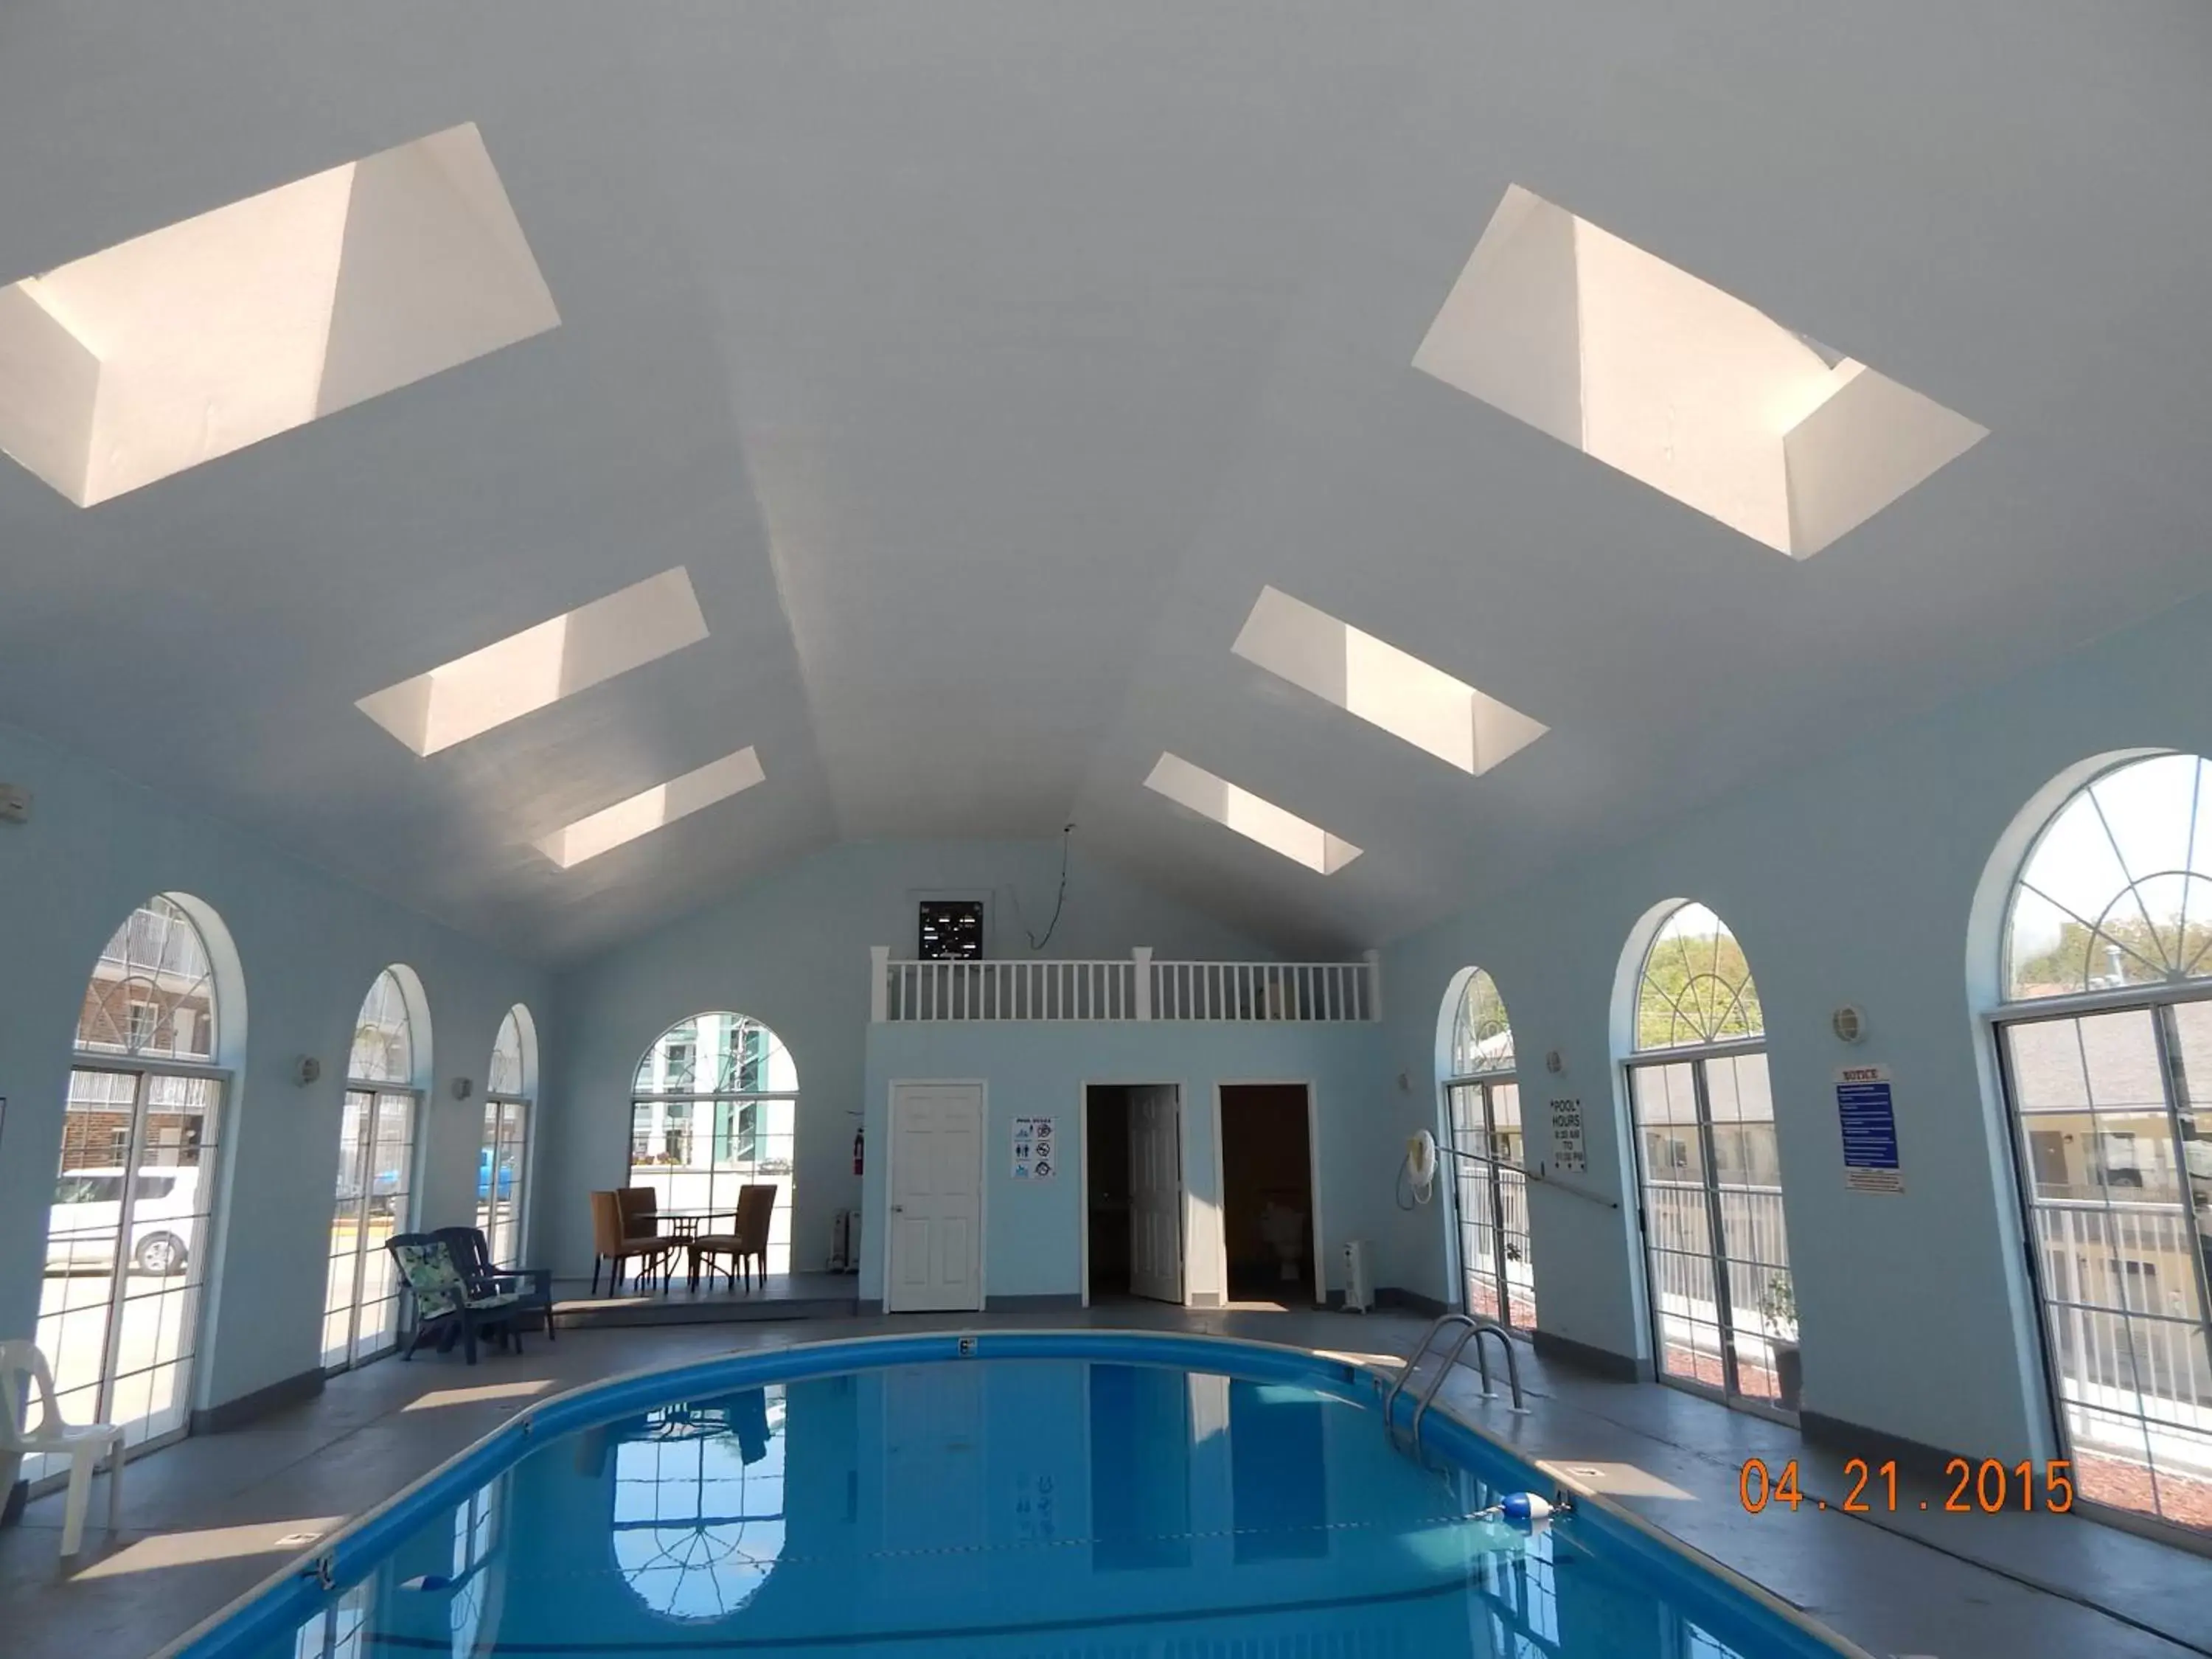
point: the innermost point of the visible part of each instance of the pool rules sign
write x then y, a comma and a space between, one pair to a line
1869, 1116
1036, 1149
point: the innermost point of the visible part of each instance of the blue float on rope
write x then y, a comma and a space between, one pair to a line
1524, 1506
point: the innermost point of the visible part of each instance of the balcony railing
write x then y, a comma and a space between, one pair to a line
2120, 1299
1133, 988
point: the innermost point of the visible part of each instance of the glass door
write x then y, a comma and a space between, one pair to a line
2114, 1114
376, 1158
127, 1243
1490, 1191
1716, 1254
499, 1177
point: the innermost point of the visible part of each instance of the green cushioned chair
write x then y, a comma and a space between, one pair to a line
444, 1300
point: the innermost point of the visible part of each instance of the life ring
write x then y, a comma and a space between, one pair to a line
1421, 1164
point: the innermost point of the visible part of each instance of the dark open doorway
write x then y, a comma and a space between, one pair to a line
1133, 1174
1268, 1212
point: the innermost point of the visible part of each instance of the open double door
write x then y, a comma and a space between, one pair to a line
1134, 1201
1156, 1243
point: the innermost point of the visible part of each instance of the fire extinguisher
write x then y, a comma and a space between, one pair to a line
860, 1138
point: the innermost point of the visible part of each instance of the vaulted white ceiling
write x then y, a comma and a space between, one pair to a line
981, 364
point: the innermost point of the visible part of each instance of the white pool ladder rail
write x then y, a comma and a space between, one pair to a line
1471, 1330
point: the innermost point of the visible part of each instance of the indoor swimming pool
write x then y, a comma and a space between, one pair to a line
1037, 1493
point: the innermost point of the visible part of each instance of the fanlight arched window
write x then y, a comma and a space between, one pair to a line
376, 1172
1482, 1037
1696, 988
714, 1109
2110, 1100
699, 1504
127, 1237
1484, 1146
2118, 890
1716, 1248
383, 1036
503, 1161
152, 994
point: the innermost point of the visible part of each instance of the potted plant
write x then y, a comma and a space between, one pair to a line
1777, 1312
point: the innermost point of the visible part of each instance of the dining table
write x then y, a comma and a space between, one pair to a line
689, 1224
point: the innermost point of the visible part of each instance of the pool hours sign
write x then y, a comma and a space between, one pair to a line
1570, 1155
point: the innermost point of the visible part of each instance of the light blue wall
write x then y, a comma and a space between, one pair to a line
1033, 1230
1855, 880
308, 947
1852, 881
792, 950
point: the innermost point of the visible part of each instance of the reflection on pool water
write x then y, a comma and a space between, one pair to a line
1017, 1506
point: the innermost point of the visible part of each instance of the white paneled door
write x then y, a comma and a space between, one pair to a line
936, 1233
1156, 1193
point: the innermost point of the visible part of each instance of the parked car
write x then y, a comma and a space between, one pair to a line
483, 1177
383, 1188
87, 1213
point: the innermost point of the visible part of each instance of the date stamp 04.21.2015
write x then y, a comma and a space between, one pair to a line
1973, 1488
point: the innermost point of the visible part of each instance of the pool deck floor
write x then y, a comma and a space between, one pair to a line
202, 1519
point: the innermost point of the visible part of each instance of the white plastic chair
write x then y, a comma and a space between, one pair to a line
82, 1444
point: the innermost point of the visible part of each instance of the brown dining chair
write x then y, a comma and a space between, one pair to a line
622, 1227
746, 1242
644, 1231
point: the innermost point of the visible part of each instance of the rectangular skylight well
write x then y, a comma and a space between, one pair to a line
1668, 379
540, 665
1247, 814
650, 809
1382, 684
174, 347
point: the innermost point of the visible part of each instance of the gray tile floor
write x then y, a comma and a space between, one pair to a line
203, 1519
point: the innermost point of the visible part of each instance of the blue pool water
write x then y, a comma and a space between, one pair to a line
993, 1506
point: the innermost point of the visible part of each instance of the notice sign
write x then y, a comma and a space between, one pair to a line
1869, 1120
1569, 1155
1036, 1149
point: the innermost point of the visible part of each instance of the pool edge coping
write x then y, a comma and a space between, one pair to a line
311, 1561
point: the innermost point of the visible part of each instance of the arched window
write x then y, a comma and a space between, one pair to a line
1483, 1138
503, 1162
479, 1533
2106, 1044
1724, 1311
714, 1109
699, 1504
128, 1238
376, 1171
339, 1630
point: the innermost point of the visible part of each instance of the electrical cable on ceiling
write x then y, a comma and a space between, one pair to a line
1037, 944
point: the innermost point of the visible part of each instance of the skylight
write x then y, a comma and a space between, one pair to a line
649, 810
1664, 376
1382, 684
540, 665
184, 344
1247, 814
